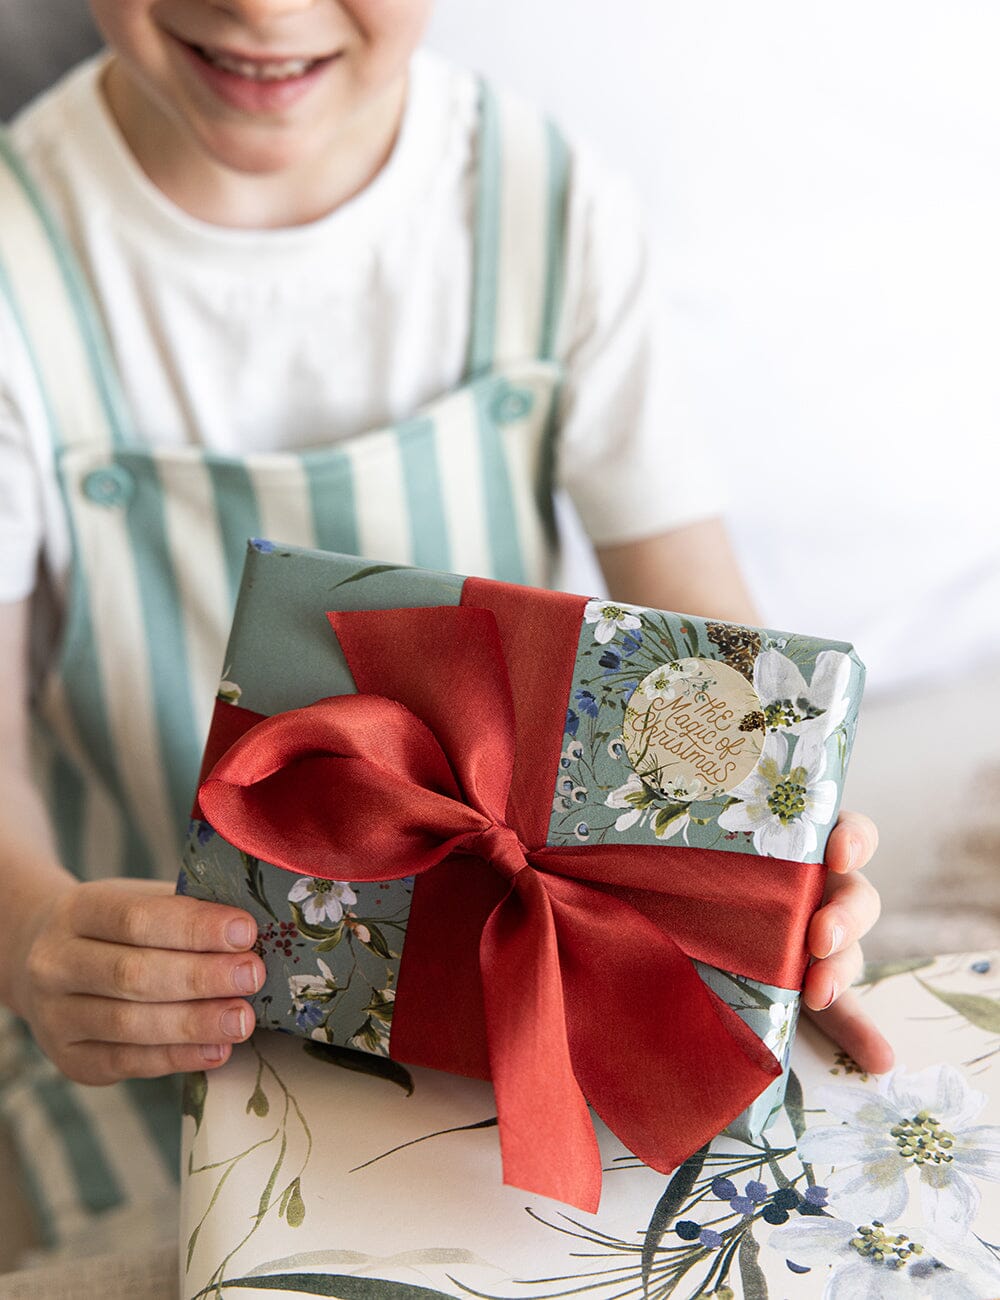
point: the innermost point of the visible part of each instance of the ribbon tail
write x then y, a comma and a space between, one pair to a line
439, 1021
547, 1137
664, 1062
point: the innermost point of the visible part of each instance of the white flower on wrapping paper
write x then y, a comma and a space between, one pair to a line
783, 808
321, 900
632, 796
229, 691
641, 804
782, 1016
694, 789
914, 1124
792, 707
312, 998
665, 682
869, 1261
312, 988
611, 618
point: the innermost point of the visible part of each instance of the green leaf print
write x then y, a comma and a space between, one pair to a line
667, 1208
492, 1122
255, 882
980, 1011
265, 1196
377, 942
195, 1092
332, 934
665, 816
877, 971
292, 1206
330, 1284
750, 994
258, 1102
794, 1107
296, 1212
380, 1006
751, 1273
362, 1062
372, 571
329, 944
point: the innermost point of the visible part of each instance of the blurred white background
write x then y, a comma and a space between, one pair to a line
823, 182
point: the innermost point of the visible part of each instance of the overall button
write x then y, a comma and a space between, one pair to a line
512, 404
111, 486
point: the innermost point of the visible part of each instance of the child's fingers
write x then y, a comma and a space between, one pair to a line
851, 907
109, 1020
855, 1033
852, 842
114, 970
827, 980
104, 1063
149, 915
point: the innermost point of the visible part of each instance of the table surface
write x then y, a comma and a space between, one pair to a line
308, 1177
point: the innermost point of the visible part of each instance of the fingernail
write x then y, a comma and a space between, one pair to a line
852, 854
246, 977
234, 1022
213, 1052
832, 998
836, 939
239, 934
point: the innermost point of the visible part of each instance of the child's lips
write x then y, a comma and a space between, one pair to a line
254, 82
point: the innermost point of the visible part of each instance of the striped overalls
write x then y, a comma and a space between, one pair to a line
158, 538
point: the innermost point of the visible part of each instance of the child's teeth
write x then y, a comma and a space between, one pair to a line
280, 71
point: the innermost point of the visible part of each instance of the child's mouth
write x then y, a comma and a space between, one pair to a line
264, 70
253, 84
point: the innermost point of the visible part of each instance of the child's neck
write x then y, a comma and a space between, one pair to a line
300, 189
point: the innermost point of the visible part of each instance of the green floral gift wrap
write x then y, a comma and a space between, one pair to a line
678, 731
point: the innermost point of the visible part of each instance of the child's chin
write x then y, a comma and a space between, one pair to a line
256, 151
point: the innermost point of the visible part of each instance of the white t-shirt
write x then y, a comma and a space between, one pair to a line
244, 341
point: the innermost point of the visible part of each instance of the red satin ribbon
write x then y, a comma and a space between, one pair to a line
562, 973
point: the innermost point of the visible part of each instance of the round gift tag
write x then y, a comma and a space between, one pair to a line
694, 728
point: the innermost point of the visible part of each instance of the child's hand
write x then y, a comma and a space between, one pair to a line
850, 908
125, 979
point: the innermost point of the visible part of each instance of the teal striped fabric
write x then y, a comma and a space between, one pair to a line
158, 539
87, 1153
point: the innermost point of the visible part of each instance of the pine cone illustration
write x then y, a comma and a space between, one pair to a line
740, 646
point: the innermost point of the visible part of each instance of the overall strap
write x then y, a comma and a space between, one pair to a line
52, 306
519, 237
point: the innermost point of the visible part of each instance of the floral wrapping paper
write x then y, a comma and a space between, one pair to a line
678, 730
312, 1170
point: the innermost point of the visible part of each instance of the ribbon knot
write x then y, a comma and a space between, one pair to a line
501, 847
569, 983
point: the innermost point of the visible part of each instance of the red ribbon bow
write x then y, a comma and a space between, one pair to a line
562, 973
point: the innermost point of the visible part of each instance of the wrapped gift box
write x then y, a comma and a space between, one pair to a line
706, 757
